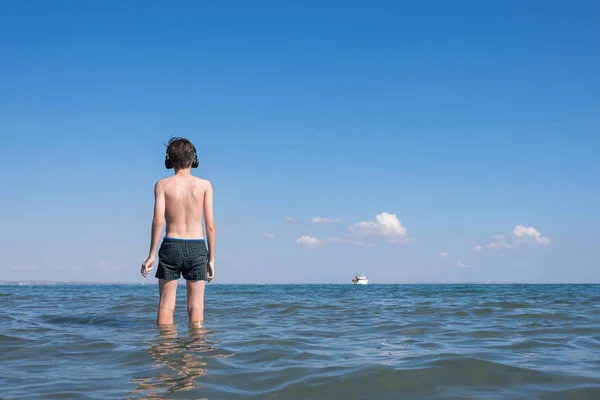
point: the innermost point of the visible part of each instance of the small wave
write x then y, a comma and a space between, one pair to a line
507, 304
448, 377
529, 344
538, 316
7, 340
489, 333
481, 312
588, 392
98, 320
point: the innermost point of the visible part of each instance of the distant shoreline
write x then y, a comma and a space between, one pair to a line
75, 283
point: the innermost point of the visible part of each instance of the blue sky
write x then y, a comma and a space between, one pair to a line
464, 120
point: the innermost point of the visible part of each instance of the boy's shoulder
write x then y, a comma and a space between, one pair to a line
204, 182
161, 182
165, 182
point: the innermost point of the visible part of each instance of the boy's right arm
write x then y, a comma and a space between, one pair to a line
157, 226
211, 233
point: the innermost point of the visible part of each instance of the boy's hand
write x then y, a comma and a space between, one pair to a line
147, 266
210, 268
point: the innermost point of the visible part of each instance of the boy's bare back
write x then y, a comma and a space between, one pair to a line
186, 199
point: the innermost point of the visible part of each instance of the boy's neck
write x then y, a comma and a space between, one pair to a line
183, 171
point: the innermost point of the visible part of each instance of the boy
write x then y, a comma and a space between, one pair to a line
181, 201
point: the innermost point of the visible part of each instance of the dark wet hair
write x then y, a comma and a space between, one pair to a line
180, 152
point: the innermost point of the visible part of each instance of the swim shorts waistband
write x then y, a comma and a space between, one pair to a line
169, 239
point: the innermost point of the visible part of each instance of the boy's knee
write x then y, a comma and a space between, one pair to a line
167, 307
195, 307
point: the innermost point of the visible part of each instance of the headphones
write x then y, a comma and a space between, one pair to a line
168, 164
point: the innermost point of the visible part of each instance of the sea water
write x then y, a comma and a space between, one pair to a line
303, 342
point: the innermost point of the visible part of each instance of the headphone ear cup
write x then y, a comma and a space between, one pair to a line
168, 164
195, 162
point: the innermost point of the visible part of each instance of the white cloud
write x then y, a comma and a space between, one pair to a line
520, 236
310, 241
525, 233
444, 254
26, 267
460, 264
321, 220
269, 236
499, 245
542, 240
386, 226
289, 219
477, 248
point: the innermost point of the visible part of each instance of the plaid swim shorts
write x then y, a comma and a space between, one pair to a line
187, 257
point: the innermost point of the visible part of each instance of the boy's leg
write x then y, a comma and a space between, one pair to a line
195, 300
170, 259
195, 276
166, 305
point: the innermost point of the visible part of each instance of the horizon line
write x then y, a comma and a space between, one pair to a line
45, 282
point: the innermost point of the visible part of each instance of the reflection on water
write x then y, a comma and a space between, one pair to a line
179, 359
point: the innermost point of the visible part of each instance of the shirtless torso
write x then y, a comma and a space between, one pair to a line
184, 197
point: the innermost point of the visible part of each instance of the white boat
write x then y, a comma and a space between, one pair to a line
360, 279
